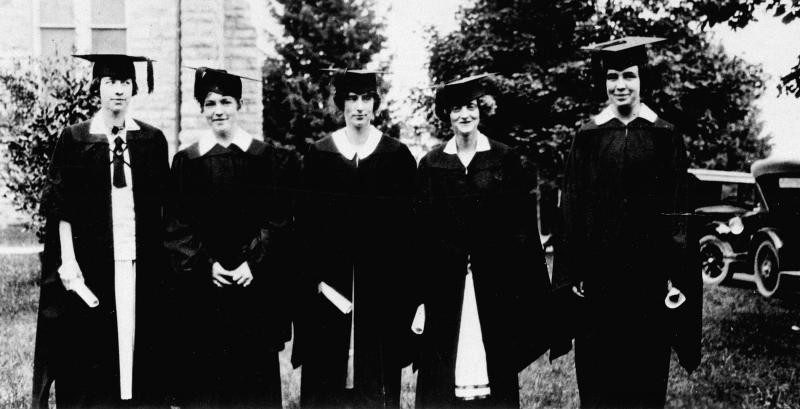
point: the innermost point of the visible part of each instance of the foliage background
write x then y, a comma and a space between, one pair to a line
38, 99
544, 88
298, 107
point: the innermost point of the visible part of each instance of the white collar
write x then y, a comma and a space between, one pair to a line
240, 138
607, 114
347, 149
482, 145
98, 124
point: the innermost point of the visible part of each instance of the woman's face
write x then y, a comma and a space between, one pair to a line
623, 87
220, 112
115, 94
465, 118
358, 109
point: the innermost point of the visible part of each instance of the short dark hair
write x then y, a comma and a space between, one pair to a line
339, 97
203, 102
94, 86
487, 106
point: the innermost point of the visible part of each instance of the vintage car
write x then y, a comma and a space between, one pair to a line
758, 244
718, 196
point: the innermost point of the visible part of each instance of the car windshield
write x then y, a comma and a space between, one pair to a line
728, 193
781, 192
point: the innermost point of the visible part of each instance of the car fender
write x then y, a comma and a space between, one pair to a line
767, 232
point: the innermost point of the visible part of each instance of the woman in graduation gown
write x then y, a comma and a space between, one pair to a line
483, 275
624, 246
100, 311
354, 317
228, 235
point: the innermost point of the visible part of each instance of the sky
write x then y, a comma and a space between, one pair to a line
757, 43
776, 46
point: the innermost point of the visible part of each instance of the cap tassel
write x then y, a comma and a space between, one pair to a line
149, 76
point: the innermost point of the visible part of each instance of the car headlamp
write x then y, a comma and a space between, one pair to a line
736, 225
722, 228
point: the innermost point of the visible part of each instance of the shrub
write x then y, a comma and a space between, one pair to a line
38, 99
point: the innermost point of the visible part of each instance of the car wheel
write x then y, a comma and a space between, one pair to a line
713, 267
766, 268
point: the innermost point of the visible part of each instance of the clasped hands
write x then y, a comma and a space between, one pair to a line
240, 275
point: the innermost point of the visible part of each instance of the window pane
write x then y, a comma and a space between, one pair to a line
108, 12
58, 41
109, 41
58, 12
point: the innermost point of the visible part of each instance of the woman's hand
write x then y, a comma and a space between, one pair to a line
70, 274
72, 277
578, 290
242, 275
219, 275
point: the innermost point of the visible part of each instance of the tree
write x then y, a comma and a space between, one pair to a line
319, 34
543, 79
738, 14
39, 99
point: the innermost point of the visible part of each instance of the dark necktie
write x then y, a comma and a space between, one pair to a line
119, 159
234, 148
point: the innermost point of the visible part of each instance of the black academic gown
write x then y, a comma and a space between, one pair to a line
230, 207
355, 221
486, 213
76, 345
625, 235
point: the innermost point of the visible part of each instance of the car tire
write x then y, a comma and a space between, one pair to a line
766, 268
714, 259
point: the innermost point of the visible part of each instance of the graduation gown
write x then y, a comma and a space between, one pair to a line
625, 235
486, 213
230, 206
76, 345
355, 221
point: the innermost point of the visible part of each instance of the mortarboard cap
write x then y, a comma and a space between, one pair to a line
458, 92
216, 80
621, 53
356, 81
118, 66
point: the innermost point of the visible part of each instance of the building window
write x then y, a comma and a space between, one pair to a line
109, 34
57, 25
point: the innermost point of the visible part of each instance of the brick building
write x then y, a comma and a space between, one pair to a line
220, 33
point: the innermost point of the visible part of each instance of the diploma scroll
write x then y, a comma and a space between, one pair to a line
674, 298
343, 304
73, 281
418, 325
85, 293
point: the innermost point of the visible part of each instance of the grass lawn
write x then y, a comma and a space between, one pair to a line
751, 354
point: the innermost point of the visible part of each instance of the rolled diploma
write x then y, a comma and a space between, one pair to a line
676, 293
343, 304
85, 293
418, 325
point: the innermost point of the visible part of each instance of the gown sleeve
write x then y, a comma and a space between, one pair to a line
56, 196
306, 198
531, 290
56, 205
187, 255
570, 250
683, 260
274, 237
423, 220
